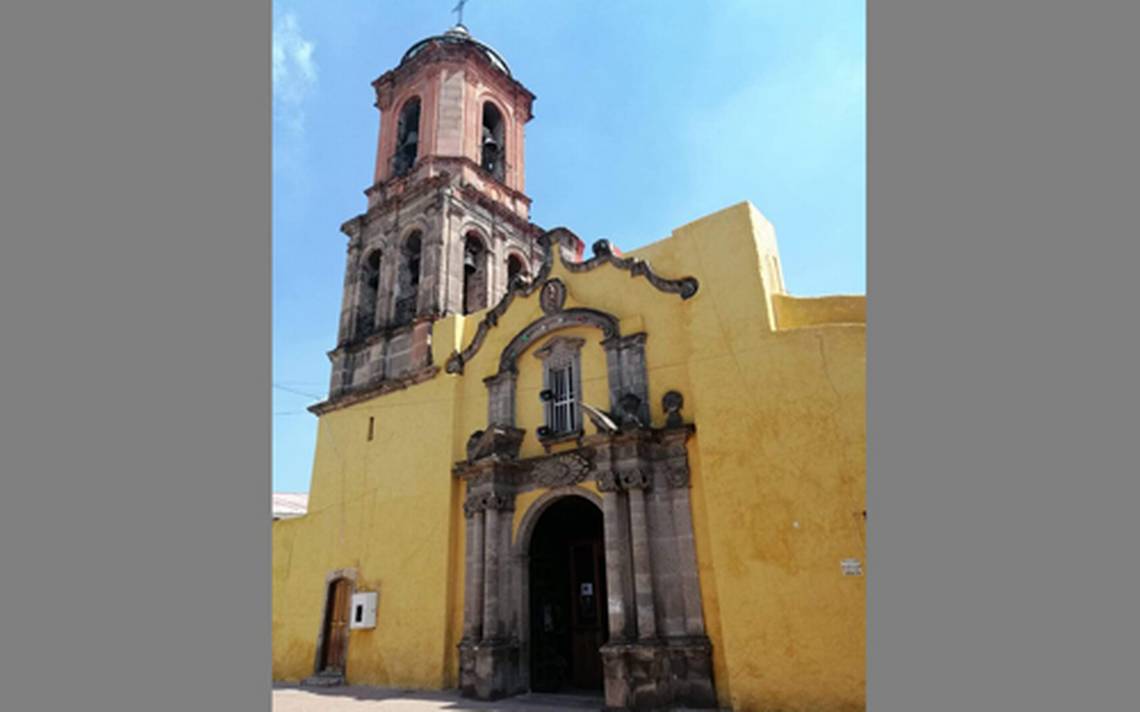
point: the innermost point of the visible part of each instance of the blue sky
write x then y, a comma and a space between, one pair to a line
648, 115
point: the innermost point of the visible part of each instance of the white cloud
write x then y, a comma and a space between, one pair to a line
294, 72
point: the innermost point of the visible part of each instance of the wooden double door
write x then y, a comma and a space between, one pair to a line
568, 622
588, 614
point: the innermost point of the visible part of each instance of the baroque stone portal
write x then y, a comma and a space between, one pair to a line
657, 654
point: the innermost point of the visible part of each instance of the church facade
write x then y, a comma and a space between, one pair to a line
638, 474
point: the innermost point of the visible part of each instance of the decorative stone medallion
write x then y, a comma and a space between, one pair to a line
561, 470
553, 296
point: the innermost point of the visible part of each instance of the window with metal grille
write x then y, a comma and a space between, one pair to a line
562, 409
561, 386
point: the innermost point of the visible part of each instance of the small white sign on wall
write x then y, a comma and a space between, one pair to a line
363, 613
851, 567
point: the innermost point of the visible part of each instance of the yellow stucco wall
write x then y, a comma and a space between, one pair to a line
776, 388
798, 312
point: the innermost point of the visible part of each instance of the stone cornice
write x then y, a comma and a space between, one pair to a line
419, 186
416, 187
381, 334
458, 54
481, 195
626, 460
356, 396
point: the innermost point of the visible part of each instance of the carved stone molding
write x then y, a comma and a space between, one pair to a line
677, 475
686, 287
635, 479
633, 459
607, 323
607, 481
481, 502
554, 241
491, 474
499, 441
560, 470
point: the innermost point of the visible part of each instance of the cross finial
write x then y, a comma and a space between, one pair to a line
459, 9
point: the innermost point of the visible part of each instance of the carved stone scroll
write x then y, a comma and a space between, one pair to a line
550, 242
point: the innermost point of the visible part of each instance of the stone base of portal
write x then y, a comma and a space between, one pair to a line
324, 679
488, 670
660, 674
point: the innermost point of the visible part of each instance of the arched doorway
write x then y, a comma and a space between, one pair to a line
334, 645
567, 589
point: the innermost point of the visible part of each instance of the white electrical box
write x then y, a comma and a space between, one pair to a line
363, 613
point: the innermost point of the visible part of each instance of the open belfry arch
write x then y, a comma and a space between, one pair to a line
541, 470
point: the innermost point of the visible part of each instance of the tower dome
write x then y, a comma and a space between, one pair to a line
458, 35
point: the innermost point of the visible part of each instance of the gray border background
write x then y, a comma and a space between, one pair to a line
135, 322
134, 308
1003, 361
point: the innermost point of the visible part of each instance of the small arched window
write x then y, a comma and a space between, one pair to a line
407, 137
408, 280
493, 148
515, 269
369, 287
474, 274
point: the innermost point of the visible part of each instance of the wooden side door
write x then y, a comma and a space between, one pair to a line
336, 632
587, 620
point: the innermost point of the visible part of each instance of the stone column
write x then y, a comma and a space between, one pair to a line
675, 477
491, 576
669, 599
432, 258
477, 629
626, 373
642, 569
505, 611
633, 372
497, 269
473, 583
452, 273
386, 289
354, 230
612, 348
501, 398
493, 662
348, 312
616, 532
687, 556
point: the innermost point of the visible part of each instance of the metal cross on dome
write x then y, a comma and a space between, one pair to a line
459, 9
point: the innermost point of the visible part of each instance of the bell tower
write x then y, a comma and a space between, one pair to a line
447, 225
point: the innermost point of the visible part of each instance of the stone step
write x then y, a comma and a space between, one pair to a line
324, 679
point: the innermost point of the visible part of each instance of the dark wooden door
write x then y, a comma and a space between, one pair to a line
588, 613
336, 625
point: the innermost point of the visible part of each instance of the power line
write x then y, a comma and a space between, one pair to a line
294, 391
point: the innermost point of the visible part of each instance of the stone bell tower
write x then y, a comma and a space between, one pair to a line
447, 226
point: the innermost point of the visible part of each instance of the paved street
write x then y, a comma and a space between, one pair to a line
291, 698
